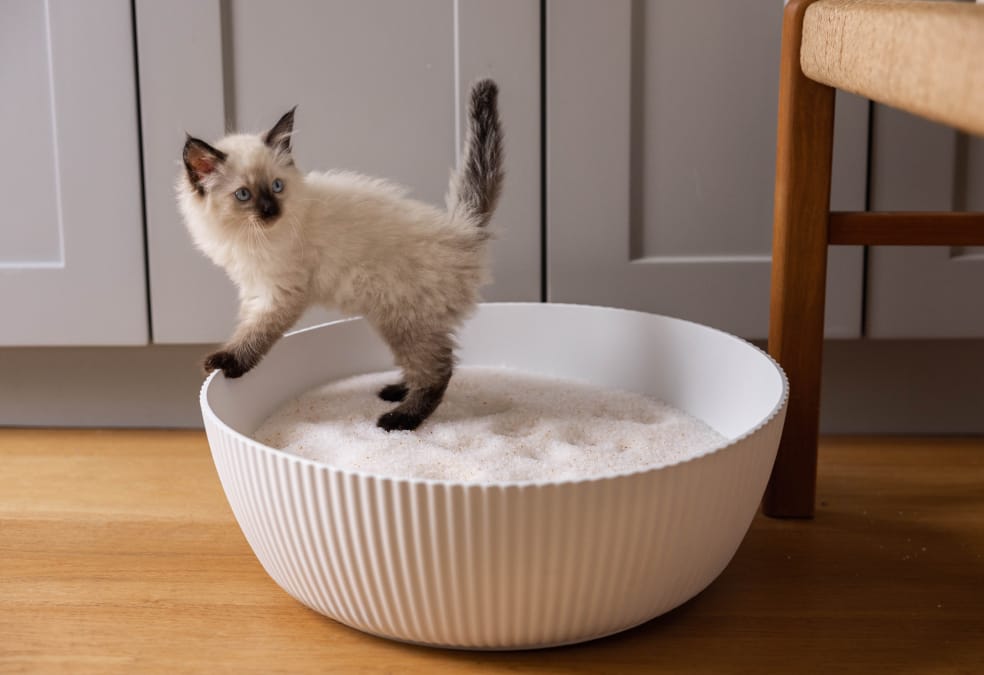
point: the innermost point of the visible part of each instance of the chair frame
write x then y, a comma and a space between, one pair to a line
803, 228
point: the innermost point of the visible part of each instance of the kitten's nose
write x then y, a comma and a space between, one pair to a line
268, 208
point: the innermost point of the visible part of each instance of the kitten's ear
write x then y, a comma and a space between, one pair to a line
200, 160
278, 138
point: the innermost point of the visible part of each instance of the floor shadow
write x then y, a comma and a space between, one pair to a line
854, 587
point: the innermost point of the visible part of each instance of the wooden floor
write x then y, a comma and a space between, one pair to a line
118, 554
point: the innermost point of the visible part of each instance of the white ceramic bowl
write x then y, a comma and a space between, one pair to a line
506, 565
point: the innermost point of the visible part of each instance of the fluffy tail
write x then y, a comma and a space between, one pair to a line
475, 187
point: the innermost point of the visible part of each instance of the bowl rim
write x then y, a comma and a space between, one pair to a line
209, 415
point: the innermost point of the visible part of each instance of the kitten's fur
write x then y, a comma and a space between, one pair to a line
348, 241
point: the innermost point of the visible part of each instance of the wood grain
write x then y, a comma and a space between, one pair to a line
906, 229
804, 151
118, 554
921, 57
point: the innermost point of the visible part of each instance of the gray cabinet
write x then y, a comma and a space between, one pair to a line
924, 292
71, 241
380, 86
660, 125
661, 121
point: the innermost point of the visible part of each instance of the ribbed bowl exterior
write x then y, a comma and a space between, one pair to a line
489, 567
511, 565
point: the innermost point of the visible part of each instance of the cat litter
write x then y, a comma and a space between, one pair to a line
495, 424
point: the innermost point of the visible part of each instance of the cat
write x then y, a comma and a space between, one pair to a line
344, 240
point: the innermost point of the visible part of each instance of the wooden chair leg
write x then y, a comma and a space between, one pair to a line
799, 267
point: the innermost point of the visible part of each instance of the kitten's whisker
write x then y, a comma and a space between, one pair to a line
250, 246
323, 202
295, 227
253, 232
262, 239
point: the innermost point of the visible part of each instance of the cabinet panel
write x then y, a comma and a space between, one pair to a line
924, 291
71, 245
661, 128
32, 230
379, 86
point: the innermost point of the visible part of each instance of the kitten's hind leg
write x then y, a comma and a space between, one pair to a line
394, 393
417, 407
427, 363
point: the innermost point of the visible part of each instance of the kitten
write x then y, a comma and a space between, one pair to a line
289, 240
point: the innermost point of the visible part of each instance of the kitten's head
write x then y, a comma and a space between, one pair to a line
245, 180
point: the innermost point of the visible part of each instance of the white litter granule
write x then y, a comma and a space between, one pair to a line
495, 424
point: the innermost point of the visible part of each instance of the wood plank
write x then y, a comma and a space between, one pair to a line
118, 554
921, 57
799, 266
906, 229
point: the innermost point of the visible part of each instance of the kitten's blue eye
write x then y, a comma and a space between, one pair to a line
277, 185
243, 195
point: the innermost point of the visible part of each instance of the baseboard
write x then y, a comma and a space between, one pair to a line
155, 386
903, 387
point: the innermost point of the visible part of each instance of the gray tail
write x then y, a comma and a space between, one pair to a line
475, 187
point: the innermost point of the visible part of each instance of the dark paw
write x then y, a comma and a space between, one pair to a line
397, 420
393, 392
227, 363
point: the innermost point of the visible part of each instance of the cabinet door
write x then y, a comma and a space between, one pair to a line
661, 133
924, 291
380, 86
71, 241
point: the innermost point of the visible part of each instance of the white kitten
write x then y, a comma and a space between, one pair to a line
344, 240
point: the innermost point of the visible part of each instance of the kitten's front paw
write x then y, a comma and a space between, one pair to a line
226, 362
393, 392
397, 420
